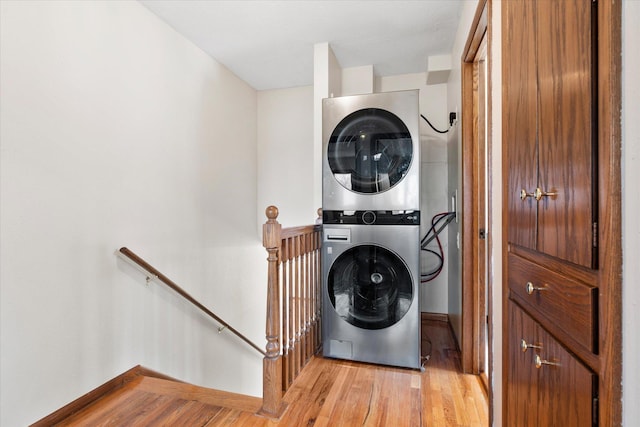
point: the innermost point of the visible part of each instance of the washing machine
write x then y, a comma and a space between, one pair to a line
371, 152
371, 276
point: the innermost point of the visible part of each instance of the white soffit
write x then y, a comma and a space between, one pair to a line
438, 69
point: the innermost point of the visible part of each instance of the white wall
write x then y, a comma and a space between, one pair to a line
116, 131
495, 178
357, 80
285, 155
630, 210
327, 82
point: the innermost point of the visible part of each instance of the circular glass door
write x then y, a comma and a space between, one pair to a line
370, 287
370, 151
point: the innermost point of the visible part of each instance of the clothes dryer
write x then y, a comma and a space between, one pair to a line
371, 279
371, 152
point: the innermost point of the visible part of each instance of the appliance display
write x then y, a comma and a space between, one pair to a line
371, 152
371, 276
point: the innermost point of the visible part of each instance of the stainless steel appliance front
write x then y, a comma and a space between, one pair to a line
370, 295
371, 152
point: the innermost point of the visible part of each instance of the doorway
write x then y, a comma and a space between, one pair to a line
476, 232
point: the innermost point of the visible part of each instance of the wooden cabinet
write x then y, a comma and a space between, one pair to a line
548, 386
549, 95
523, 380
561, 195
561, 303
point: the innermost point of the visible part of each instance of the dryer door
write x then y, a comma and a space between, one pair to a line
370, 151
370, 287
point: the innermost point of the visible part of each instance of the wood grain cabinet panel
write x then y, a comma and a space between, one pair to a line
559, 106
549, 81
563, 305
567, 389
523, 379
566, 129
547, 385
520, 100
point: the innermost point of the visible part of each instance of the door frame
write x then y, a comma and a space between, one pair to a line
473, 298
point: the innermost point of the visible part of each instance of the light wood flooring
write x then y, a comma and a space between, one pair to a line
327, 393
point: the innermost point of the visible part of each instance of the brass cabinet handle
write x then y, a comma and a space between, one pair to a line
539, 361
531, 289
524, 194
524, 346
539, 194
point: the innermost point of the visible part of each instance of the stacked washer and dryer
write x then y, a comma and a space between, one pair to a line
371, 228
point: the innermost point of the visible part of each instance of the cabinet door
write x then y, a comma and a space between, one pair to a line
522, 405
519, 127
566, 129
550, 126
566, 387
556, 391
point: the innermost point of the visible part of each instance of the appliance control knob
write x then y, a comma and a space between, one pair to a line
368, 217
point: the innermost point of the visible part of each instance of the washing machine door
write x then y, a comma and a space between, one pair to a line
370, 287
370, 151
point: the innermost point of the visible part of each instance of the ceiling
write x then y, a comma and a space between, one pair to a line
269, 44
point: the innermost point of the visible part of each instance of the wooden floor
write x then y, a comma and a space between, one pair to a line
327, 393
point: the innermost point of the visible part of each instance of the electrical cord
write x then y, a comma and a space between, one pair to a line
432, 127
426, 358
434, 231
432, 234
448, 216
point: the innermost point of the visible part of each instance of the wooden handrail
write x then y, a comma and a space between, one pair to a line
164, 279
297, 231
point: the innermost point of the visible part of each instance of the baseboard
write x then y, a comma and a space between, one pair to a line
441, 317
141, 370
438, 317
96, 394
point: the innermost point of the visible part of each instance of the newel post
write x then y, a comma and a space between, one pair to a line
272, 404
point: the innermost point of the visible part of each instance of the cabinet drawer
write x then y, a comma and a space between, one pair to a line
561, 304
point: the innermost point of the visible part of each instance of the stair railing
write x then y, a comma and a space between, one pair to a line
293, 306
153, 273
